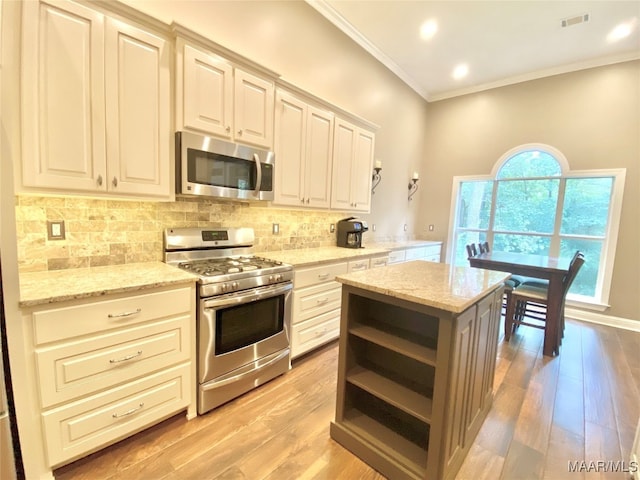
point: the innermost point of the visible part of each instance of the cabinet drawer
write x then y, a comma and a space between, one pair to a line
397, 256
418, 253
358, 265
78, 428
433, 250
312, 333
315, 300
79, 368
314, 275
376, 262
72, 321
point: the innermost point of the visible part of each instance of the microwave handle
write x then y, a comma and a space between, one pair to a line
259, 170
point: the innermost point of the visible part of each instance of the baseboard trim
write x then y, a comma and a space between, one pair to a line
599, 318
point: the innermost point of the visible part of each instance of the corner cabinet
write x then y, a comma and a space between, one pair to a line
107, 369
96, 103
353, 150
414, 382
217, 98
303, 148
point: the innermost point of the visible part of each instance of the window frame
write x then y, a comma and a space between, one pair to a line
600, 301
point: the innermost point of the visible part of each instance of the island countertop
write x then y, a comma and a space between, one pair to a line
439, 285
38, 288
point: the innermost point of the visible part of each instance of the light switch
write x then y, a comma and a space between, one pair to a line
275, 228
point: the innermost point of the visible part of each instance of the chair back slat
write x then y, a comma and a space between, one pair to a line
574, 267
471, 250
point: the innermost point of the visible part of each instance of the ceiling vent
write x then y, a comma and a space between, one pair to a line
567, 22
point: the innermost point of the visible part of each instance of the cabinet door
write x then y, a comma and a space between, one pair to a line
63, 96
138, 107
253, 109
291, 125
343, 153
319, 143
361, 171
207, 93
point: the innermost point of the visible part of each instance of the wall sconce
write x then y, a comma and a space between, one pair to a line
413, 185
376, 176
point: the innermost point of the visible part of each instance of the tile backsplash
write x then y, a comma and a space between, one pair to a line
108, 232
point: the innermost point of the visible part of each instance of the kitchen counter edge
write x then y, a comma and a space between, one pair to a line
40, 288
315, 256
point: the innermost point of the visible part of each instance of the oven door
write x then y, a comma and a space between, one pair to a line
241, 328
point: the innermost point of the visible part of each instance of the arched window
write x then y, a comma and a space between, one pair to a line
533, 203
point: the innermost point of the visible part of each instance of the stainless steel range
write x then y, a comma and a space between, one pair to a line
243, 313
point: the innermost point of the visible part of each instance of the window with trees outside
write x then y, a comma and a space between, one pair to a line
533, 203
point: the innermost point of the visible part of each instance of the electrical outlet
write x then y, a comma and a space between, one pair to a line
275, 228
55, 230
431, 228
373, 227
332, 228
405, 227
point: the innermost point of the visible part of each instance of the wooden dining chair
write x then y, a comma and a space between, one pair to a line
527, 304
471, 250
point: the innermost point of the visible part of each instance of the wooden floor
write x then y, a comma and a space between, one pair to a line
582, 406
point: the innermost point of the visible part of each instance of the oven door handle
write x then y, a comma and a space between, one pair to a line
244, 297
259, 172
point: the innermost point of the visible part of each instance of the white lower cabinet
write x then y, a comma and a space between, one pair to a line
107, 369
430, 253
78, 427
316, 306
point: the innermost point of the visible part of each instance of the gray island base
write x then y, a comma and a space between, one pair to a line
416, 365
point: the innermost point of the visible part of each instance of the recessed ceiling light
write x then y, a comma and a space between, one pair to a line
621, 31
460, 71
428, 29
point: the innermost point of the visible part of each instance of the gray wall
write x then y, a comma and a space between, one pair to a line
591, 116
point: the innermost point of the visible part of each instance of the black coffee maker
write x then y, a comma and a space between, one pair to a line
350, 232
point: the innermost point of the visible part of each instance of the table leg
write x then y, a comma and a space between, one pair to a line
554, 315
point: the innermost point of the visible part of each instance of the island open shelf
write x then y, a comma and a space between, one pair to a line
414, 380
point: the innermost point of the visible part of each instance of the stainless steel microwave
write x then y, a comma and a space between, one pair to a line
210, 167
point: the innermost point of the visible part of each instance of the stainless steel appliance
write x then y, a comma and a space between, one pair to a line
243, 313
214, 168
350, 232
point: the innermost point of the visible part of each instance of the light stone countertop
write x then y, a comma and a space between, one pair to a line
313, 256
437, 285
37, 288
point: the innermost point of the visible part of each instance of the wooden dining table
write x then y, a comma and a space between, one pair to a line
552, 269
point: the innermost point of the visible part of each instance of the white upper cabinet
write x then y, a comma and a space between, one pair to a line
63, 97
353, 150
216, 98
253, 109
303, 148
207, 93
137, 111
96, 103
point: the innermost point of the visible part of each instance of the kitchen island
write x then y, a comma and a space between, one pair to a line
416, 365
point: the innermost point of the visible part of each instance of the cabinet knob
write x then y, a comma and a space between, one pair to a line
239, 132
228, 129
307, 200
99, 180
114, 182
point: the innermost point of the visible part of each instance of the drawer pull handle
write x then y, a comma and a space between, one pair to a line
124, 314
127, 358
128, 412
323, 301
323, 276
